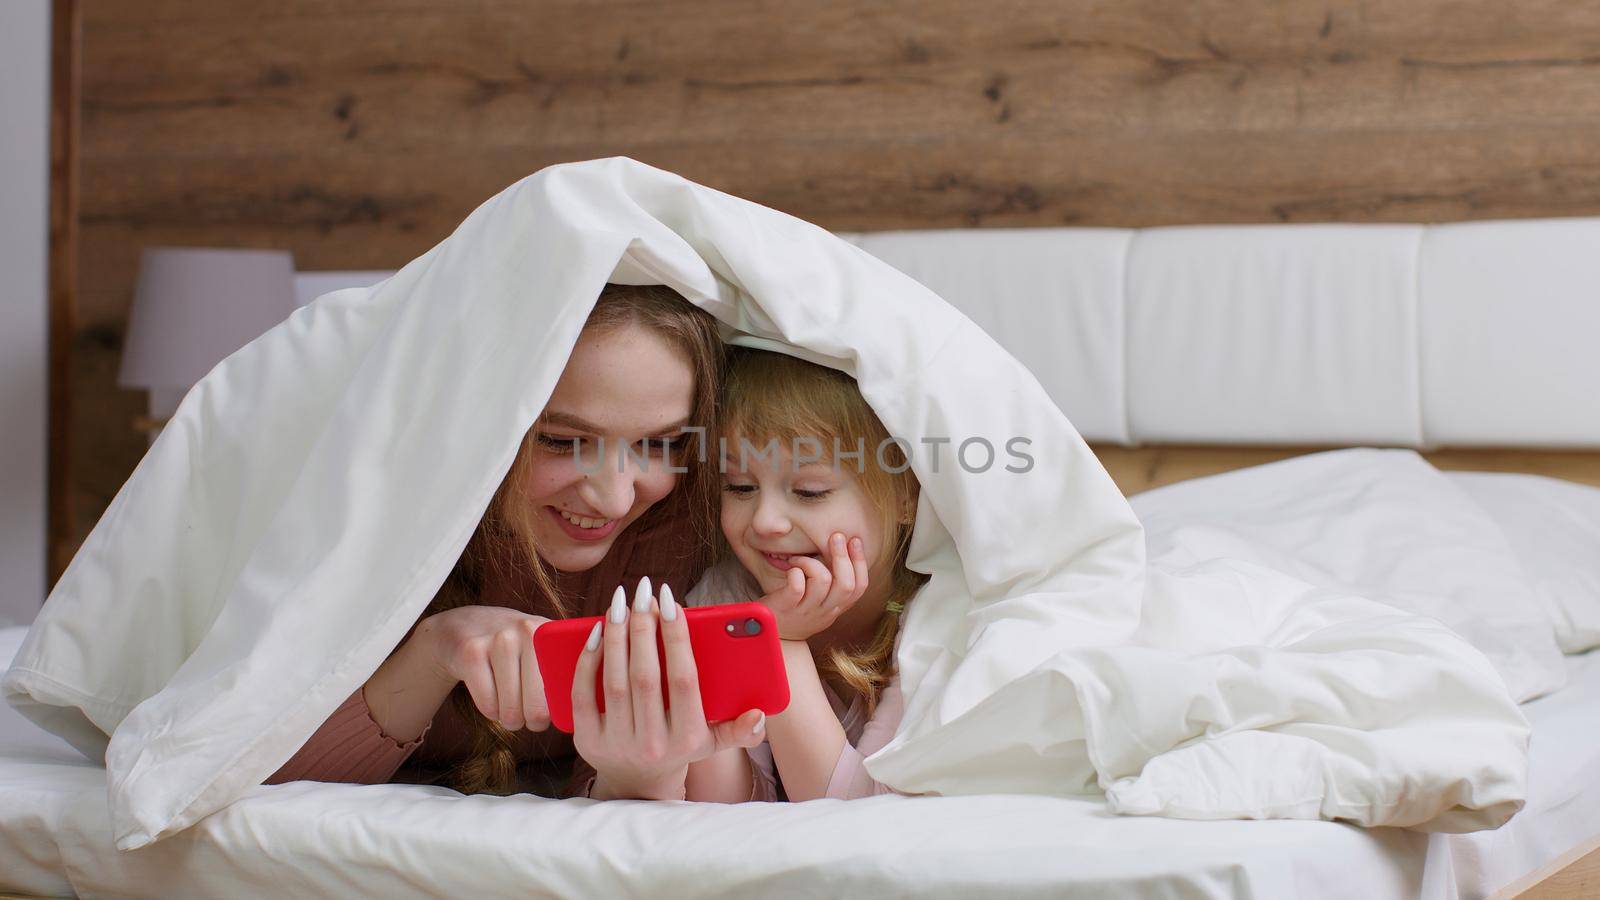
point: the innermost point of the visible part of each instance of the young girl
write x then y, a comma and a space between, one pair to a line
819, 533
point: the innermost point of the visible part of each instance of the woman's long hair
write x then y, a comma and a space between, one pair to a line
502, 545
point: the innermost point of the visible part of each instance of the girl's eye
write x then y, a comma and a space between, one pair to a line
812, 495
556, 444
740, 490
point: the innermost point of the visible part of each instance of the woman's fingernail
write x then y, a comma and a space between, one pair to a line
619, 606
669, 606
593, 643
641, 596
761, 724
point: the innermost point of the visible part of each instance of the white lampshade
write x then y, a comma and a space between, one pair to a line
195, 306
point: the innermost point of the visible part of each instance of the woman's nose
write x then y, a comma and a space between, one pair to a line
608, 490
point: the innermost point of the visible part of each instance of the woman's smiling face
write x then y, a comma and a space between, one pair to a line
772, 510
631, 388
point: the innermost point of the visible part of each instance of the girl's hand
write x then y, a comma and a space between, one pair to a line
490, 649
638, 747
814, 596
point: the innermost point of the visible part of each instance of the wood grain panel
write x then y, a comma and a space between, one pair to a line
359, 133
61, 526
511, 75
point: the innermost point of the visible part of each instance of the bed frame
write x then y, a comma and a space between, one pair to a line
1574, 875
1138, 469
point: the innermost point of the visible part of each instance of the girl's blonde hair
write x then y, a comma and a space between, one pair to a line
769, 395
503, 545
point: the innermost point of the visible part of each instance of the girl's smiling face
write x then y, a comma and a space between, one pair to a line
772, 510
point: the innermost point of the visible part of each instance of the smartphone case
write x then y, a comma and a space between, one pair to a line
738, 671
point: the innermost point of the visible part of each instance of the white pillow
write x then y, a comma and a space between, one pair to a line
1554, 528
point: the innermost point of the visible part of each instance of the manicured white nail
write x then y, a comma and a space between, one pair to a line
669, 606
593, 643
619, 606
761, 724
641, 596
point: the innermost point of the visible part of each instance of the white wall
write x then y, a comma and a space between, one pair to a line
24, 258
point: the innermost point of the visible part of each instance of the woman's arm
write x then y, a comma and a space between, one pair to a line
348, 747
376, 729
408, 689
806, 738
490, 648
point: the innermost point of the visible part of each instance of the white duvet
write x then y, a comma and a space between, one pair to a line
314, 490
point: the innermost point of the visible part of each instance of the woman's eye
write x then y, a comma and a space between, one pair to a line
665, 445
557, 444
740, 490
812, 495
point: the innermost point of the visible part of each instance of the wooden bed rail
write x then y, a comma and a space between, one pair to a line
1136, 469
1574, 875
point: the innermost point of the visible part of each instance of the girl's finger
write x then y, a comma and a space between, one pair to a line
507, 669
614, 666
683, 677
796, 584
749, 730
844, 574
585, 714
644, 667
818, 581
858, 560
535, 707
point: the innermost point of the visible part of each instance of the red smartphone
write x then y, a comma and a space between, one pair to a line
736, 654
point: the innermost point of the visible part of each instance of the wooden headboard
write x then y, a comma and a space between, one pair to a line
358, 134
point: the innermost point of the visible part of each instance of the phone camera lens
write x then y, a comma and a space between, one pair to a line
752, 626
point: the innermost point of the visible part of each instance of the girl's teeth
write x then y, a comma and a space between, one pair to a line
582, 522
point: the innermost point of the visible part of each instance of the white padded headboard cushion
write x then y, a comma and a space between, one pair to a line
1511, 333
1053, 297
1481, 333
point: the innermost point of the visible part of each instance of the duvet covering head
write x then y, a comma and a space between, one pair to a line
313, 491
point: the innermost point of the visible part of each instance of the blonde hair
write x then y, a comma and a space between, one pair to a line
502, 545
768, 395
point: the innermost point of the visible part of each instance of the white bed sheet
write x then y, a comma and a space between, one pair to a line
325, 840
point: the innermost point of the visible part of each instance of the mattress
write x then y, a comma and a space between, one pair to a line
327, 839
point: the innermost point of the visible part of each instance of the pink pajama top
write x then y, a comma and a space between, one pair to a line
728, 582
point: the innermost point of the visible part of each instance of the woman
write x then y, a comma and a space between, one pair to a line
592, 501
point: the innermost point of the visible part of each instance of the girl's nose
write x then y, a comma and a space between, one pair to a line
769, 519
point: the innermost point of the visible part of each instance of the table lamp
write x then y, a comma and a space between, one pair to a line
193, 307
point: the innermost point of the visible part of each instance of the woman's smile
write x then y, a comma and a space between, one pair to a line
582, 528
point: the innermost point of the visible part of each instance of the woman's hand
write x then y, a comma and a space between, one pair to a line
639, 747
490, 649
814, 596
